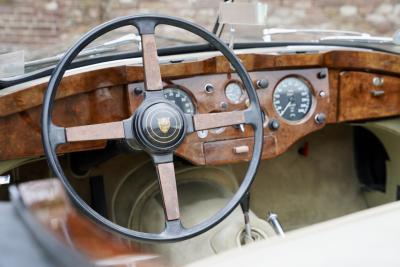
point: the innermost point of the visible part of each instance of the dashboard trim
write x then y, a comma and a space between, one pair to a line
82, 95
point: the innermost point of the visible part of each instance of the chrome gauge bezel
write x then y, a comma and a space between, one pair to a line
313, 100
186, 92
242, 96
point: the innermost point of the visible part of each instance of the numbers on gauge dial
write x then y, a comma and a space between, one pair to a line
181, 99
292, 99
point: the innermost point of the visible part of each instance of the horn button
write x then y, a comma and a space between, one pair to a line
160, 127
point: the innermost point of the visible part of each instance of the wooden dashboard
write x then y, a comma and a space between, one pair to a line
345, 86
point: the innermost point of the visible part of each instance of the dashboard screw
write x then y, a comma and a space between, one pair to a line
377, 81
322, 94
223, 105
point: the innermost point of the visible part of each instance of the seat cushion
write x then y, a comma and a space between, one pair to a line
17, 246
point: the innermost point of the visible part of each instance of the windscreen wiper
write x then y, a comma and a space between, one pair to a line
334, 35
395, 40
268, 33
362, 39
106, 47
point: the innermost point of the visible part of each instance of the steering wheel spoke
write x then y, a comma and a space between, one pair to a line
101, 131
222, 119
167, 182
151, 67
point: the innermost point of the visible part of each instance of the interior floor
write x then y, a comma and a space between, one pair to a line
302, 188
314, 181
311, 188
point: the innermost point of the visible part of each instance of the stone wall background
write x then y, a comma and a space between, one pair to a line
33, 25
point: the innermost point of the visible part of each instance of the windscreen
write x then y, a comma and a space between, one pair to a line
37, 29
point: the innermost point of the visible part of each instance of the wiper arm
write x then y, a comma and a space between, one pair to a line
105, 47
336, 35
362, 39
268, 33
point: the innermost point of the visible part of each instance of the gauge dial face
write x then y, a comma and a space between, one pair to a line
181, 99
234, 92
292, 99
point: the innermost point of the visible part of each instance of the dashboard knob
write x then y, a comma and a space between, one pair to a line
138, 90
262, 84
321, 75
274, 124
209, 88
320, 118
202, 134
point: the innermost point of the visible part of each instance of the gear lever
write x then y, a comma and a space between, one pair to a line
245, 205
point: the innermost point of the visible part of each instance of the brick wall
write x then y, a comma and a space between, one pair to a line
32, 24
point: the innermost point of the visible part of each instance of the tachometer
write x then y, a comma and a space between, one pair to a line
292, 99
180, 98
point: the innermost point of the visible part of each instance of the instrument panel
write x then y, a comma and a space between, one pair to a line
101, 95
294, 102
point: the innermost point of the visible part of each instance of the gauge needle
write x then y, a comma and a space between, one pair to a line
287, 106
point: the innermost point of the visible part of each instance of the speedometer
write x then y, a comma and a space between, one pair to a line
292, 99
180, 98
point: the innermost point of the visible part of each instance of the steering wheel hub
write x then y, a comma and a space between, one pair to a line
160, 127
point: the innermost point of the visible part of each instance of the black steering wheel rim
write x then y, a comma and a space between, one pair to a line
146, 24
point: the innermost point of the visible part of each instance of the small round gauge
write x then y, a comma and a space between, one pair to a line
180, 98
292, 99
234, 92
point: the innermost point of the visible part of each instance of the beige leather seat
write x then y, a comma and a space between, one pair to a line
366, 238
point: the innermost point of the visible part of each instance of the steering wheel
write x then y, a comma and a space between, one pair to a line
157, 127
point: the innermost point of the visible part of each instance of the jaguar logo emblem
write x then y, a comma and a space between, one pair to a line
164, 124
